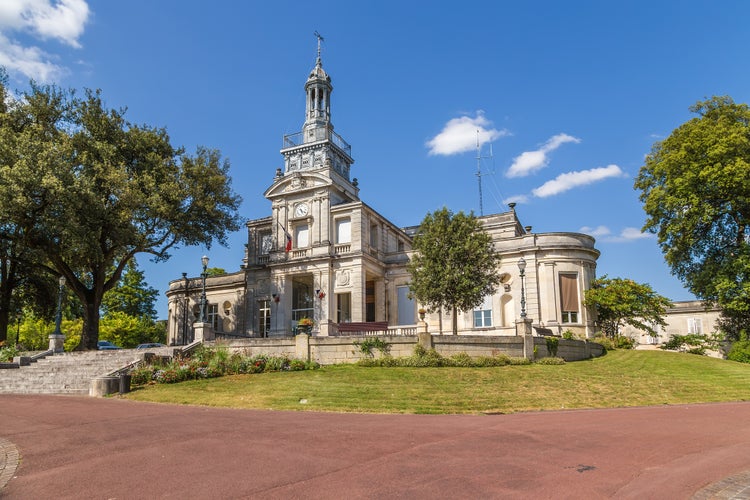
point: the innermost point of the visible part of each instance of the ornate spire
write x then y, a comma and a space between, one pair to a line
319, 61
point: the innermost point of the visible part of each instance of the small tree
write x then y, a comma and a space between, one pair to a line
619, 302
454, 265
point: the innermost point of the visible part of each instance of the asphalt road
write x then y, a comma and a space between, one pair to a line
80, 447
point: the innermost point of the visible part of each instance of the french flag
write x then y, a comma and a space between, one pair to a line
288, 241
288, 245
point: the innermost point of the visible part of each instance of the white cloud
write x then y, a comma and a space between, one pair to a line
461, 134
633, 233
519, 198
567, 181
626, 235
529, 162
29, 61
596, 232
61, 20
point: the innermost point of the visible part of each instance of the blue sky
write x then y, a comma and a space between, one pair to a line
568, 96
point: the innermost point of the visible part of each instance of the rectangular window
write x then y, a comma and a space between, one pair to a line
406, 307
695, 326
374, 236
343, 231
213, 317
483, 314
369, 301
264, 317
301, 236
343, 307
569, 298
302, 298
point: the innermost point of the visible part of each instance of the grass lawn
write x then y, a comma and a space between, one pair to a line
621, 378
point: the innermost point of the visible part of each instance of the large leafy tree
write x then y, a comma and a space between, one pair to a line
619, 302
94, 190
455, 265
696, 192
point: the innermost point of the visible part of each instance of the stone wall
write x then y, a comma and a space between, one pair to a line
336, 350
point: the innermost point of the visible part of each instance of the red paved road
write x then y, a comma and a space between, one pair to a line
75, 447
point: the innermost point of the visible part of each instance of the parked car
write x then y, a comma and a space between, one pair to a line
106, 345
150, 345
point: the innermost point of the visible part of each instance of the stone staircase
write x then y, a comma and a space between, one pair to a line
65, 373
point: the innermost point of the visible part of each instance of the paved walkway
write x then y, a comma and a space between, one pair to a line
78, 447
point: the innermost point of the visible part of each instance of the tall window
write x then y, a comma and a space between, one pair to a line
374, 236
343, 307
343, 230
264, 317
369, 301
406, 307
302, 298
569, 297
213, 317
301, 236
695, 325
483, 314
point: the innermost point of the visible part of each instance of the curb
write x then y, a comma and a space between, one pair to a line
732, 487
8, 461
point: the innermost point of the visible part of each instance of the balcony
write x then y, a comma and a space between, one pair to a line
298, 139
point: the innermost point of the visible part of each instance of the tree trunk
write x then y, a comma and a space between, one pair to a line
440, 319
455, 321
90, 333
4, 316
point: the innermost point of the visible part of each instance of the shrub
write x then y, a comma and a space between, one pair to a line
8, 353
142, 375
550, 361
623, 342
461, 359
552, 344
740, 351
568, 335
366, 346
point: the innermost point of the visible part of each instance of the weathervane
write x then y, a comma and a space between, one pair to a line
320, 39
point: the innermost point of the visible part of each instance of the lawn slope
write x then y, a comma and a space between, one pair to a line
621, 378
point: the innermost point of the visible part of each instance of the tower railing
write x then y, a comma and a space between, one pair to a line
321, 134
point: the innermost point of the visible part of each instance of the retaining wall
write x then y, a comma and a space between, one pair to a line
336, 350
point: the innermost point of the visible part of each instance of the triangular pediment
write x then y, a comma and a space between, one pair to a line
299, 182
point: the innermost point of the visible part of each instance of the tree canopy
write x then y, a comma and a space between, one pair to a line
89, 191
619, 302
455, 265
695, 187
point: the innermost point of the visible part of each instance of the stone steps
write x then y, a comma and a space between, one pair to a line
67, 373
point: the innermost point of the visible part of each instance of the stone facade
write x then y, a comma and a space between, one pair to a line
682, 318
324, 254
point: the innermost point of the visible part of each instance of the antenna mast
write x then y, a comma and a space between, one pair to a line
479, 175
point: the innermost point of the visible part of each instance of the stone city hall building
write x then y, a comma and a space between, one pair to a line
324, 254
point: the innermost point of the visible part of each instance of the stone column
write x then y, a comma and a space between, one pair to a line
523, 327
302, 346
203, 332
56, 343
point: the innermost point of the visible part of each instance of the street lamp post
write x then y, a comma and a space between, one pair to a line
185, 310
56, 338
522, 269
203, 318
58, 318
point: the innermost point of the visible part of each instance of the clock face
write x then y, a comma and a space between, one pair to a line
301, 210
